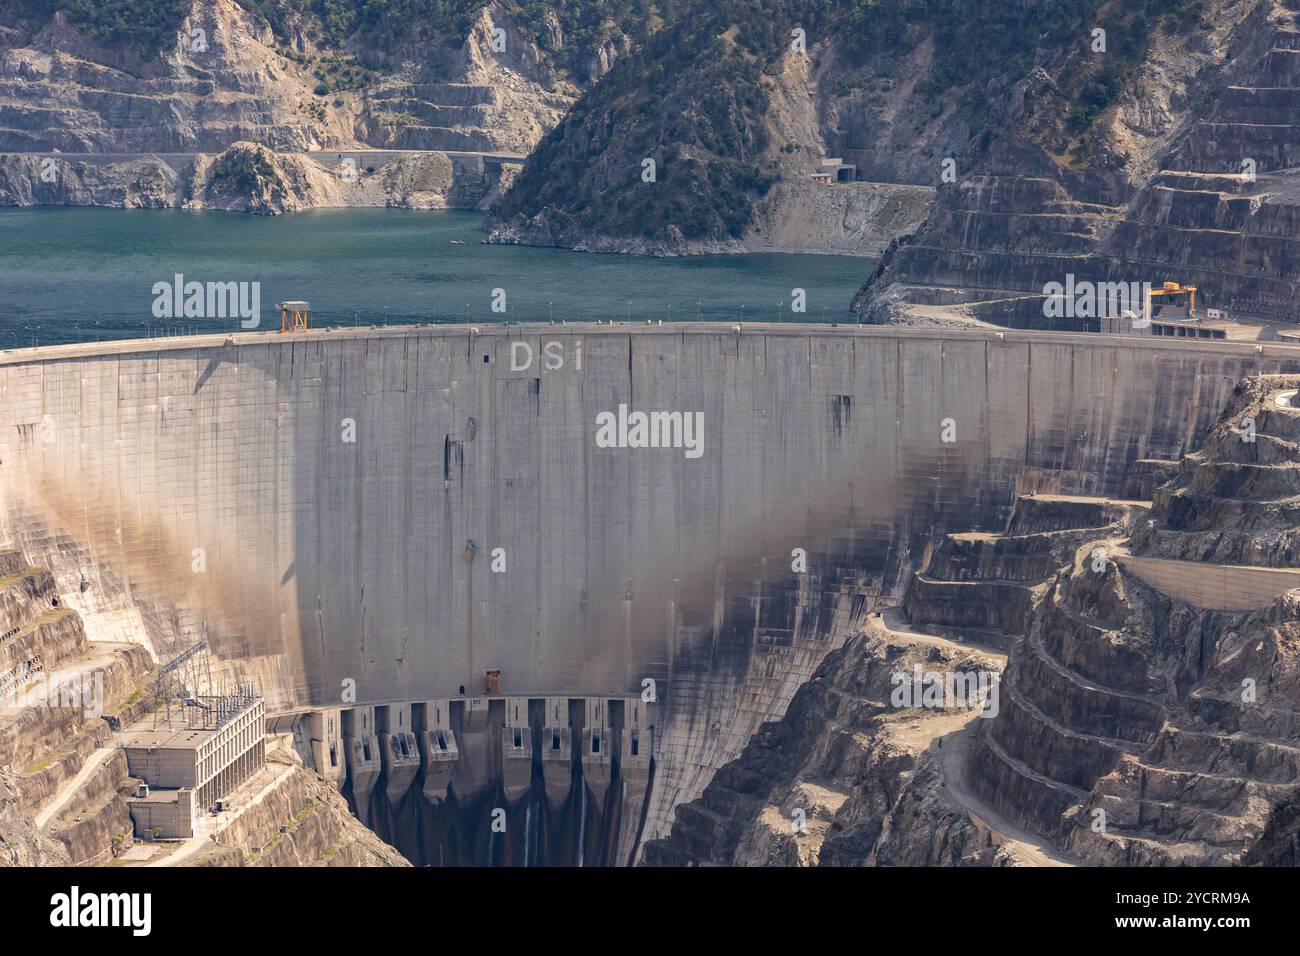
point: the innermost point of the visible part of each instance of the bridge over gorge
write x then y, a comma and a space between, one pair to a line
411, 530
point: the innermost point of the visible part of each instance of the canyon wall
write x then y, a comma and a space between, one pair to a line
248, 177
1200, 189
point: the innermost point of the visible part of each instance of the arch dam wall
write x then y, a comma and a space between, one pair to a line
326, 508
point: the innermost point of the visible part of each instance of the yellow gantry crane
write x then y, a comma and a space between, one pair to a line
294, 316
1173, 290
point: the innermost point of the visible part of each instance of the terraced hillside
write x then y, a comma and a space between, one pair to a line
54, 684
220, 72
132, 105
1148, 718
1146, 714
1201, 188
883, 784
64, 781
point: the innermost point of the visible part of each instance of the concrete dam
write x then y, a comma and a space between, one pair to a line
521, 589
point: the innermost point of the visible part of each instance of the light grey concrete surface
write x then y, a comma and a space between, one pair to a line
205, 484
1217, 587
203, 487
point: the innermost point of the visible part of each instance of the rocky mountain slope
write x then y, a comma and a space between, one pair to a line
221, 72
891, 773
192, 78
63, 780
1147, 710
737, 98
44, 744
843, 778
1153, 717
305, 821
1187, 176
139, 100
1102, 138
249, 177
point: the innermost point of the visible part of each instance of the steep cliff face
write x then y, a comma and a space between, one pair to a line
222, 73
22, 842
143, 183
733, 100
846, 778
1146, 714
1232, 502
303, 821
54, 686
248, 177
1186, 176
1280, 843
195, 77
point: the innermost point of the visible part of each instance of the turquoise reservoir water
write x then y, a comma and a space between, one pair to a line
81, 274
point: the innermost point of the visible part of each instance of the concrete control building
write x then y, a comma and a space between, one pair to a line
189, 768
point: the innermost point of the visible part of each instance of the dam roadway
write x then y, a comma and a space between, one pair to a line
374, 516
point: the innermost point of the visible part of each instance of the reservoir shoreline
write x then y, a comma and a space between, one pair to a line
77, 274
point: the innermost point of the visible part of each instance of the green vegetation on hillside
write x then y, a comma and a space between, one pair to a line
694, 96
248, 172
146, 26
977, 40
691, 98
335, 72
392, 24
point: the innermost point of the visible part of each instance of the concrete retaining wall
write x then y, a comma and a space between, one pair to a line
1217, 587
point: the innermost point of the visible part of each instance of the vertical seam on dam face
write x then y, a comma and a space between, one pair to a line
1029, 400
